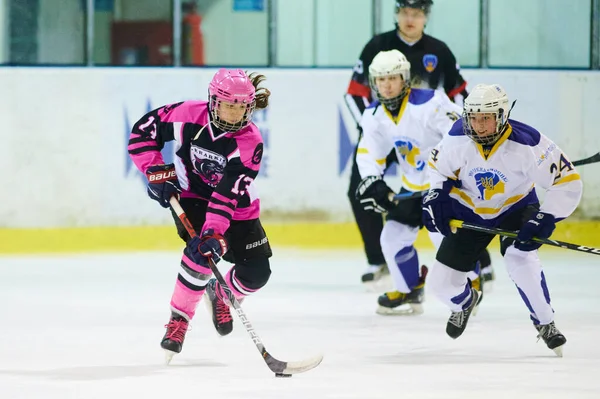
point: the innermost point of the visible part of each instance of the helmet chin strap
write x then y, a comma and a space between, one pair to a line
508, 116
511, 108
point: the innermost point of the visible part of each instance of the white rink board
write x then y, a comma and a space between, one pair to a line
65, 130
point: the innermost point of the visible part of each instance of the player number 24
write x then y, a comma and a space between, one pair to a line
563, 164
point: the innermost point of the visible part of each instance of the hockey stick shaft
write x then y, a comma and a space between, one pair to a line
513, 234
277, 366
593, 159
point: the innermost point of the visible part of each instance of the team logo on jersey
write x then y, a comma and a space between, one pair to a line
489, 182
409, 153
546, 154
257, 155
430, 62
208, 165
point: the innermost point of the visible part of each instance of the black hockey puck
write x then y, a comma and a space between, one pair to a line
282, 375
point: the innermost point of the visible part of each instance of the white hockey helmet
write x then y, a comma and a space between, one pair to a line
388, 63
486, 99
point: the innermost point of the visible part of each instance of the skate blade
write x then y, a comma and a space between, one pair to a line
476, 307
414, 309
169, 356
475, 310
559, 351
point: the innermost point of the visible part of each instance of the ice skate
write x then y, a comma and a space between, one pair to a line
392, 303
458, 320
376, 278
477, 284
374, 273
488, 277
172, 342
219, 310
552, 337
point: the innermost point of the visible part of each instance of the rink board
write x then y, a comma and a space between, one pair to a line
69, 166
74, 188
299, 235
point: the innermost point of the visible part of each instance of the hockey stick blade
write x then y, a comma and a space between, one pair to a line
593, 159
276, 366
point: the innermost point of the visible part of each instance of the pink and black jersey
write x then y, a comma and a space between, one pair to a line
211, 164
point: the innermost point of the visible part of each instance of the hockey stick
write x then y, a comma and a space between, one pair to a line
409, 195
593, 159
513, 234
280, 368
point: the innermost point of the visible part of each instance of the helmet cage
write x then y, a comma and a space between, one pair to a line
222, 124
490, 139
391, 103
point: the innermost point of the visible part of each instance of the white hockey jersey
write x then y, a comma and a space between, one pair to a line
489, 181
425, 116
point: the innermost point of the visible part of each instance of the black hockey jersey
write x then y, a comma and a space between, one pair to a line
432, 66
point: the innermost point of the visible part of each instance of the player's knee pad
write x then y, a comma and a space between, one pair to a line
444, 281
253, 273
517, 260
396, 236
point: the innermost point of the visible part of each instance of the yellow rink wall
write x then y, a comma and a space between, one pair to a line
164, 238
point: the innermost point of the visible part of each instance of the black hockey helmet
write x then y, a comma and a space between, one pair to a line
424, 5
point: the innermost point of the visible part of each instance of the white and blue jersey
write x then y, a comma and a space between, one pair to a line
424, 117
490, 181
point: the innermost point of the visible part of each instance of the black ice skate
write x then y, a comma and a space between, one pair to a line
374, 273
218, 309
390, 302
478, 284
172, 342
458, 320
552, 337
488, 274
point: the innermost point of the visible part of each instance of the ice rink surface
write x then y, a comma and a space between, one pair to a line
89, 327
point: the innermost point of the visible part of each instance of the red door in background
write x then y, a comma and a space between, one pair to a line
142, 43
192, 42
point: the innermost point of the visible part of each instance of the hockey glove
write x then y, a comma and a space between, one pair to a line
162, 183
207, 245
437, 211
374, 195
541, 225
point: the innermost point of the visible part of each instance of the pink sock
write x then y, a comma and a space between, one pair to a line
237, 288
189, 287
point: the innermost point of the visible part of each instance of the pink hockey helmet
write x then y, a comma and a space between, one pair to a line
231, 86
